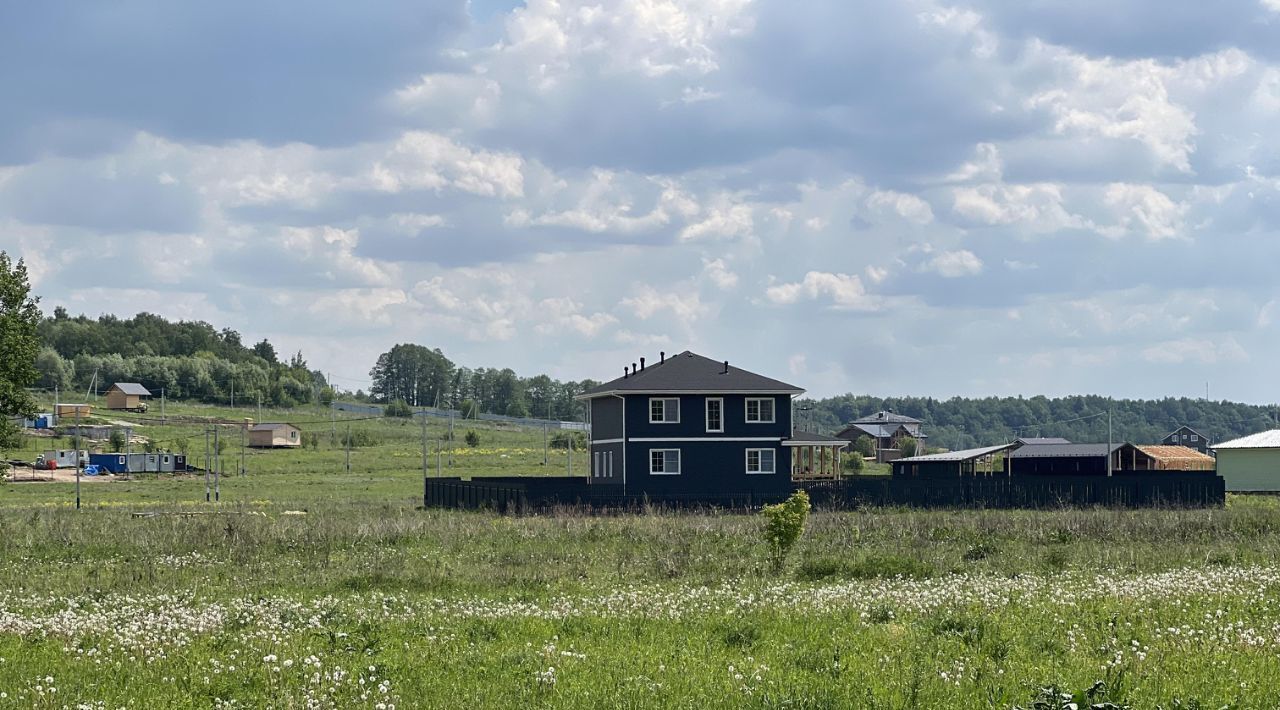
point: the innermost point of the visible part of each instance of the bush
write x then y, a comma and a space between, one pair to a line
908, 447
853, 463
357, 438
865, 445
562, 439
784, 524
117, 441
398, 408
472, 438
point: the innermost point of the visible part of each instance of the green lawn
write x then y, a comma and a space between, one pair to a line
367, 601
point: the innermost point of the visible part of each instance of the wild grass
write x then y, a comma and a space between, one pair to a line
368, 601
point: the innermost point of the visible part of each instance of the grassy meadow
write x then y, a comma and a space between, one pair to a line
368, 601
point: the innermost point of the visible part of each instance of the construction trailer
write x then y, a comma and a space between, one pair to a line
163, 462
61, 458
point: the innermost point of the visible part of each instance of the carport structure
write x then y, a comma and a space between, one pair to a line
955, 464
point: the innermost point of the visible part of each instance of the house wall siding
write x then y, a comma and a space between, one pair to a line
606, 418
713, 463
1250, 470
708, 467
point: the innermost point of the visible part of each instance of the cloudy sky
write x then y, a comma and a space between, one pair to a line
906, 197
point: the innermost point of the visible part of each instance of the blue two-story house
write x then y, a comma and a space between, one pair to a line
690, 426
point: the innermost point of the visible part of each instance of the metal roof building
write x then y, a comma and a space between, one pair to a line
1251, 463
967, 462
1077, 459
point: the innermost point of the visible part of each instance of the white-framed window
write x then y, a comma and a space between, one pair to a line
761, 461
604, 464
760, 410
1195, 437
664, 410
715, 414
664, 462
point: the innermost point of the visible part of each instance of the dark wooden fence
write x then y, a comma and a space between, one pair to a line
1126, 490
514, 494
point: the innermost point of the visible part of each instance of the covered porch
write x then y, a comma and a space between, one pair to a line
815, 457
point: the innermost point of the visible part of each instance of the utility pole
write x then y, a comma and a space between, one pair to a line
259, 406
348, 448
425, 458
243, 426
450, 438
207, 464
233, 390
163, 419
217, 466
77, 458
128, 450
56, 413
1108, 441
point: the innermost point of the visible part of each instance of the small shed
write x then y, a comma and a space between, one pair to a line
126, 396
1251, 463
71, 410
953, 464
271, 436
1179, 458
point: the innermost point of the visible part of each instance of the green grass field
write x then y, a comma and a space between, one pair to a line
367, 601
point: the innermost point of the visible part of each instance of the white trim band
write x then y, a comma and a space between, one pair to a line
606, 441
702, 439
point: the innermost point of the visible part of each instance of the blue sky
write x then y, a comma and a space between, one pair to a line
896, 198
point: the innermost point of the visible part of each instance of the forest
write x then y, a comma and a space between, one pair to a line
187, 360
960, 422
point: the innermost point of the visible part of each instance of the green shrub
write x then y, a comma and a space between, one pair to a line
908, 447
865, 445
853, 463
398, 408
784, 524
117, 441
562, 439
472, 438
357, 438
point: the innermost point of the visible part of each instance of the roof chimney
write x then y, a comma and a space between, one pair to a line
633, 368
642, 364
663, 354
726, 368
624, 372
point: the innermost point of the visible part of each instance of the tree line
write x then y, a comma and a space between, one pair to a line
425, 377
961, 422
186, 359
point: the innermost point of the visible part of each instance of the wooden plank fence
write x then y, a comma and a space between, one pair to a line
513, 494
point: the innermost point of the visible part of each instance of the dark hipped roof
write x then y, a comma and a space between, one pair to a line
878, 431
801, 438
1063, 451
271, 426
131, 388
1041, 440
690, 372
886, 418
